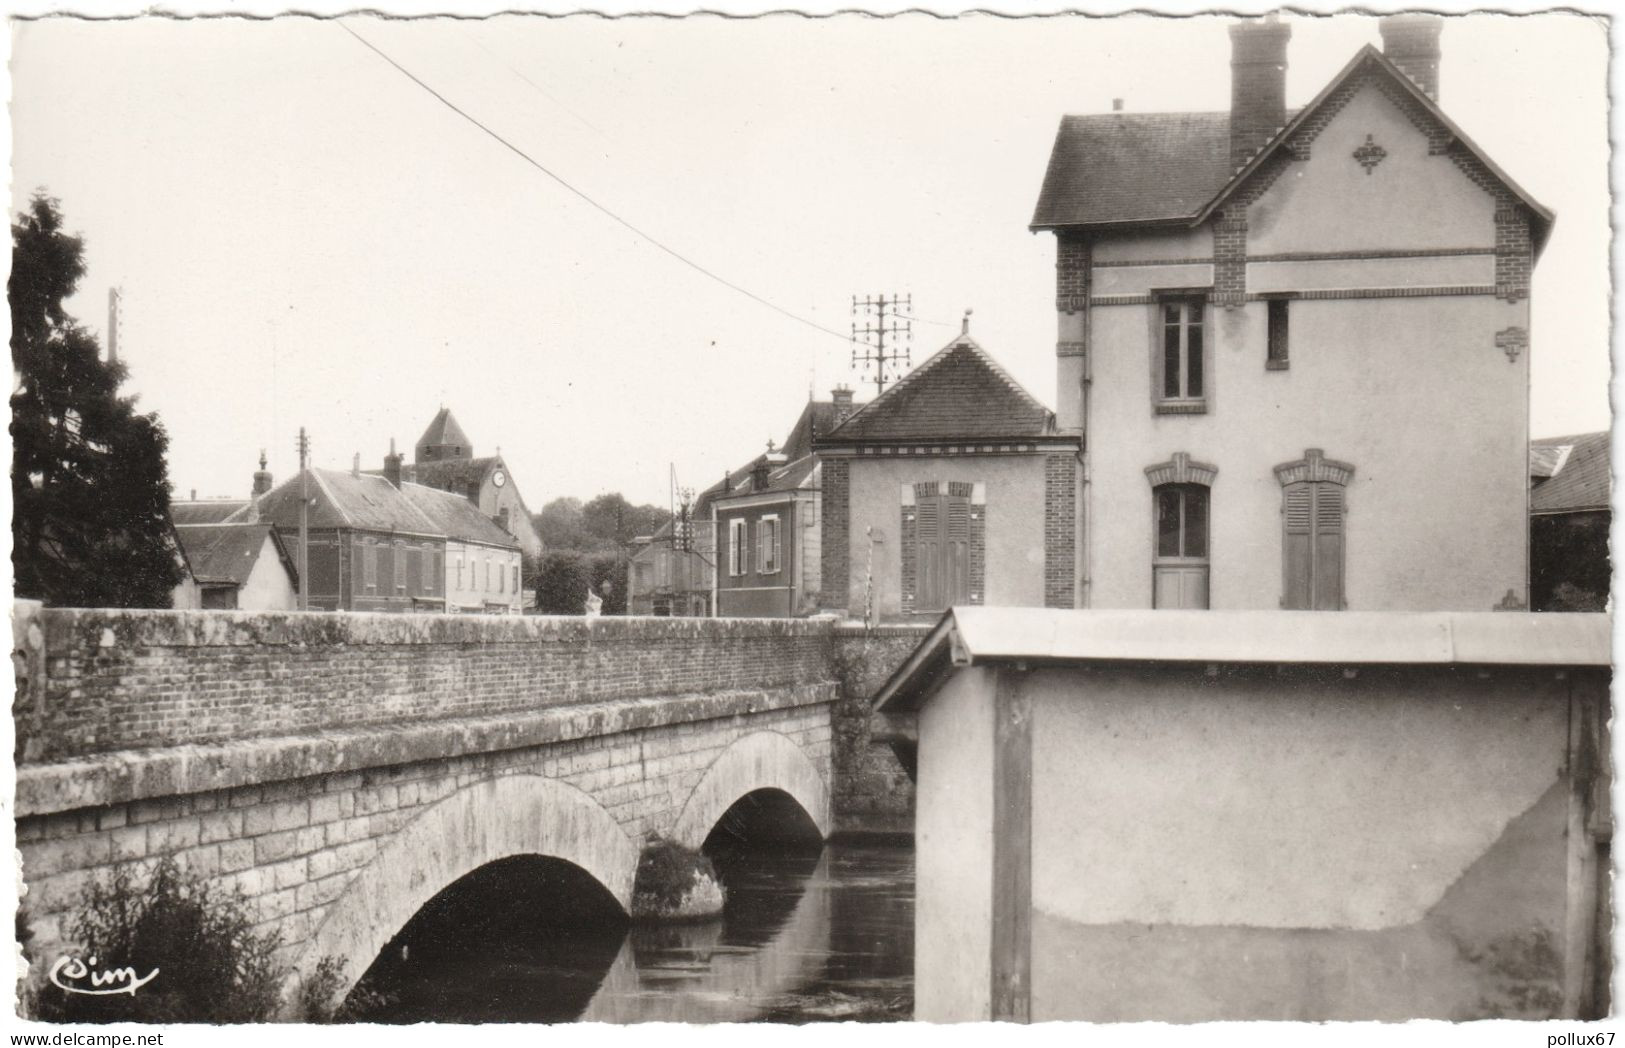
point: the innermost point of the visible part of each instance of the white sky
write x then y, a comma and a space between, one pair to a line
304, 236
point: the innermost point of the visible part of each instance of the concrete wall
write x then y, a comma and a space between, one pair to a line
1014, 524
954, 830
1298, 845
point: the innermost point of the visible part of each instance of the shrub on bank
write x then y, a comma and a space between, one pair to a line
211, 966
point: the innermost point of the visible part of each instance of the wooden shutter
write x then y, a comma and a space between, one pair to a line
1299, 546
1328, 547
956, 551
928, 553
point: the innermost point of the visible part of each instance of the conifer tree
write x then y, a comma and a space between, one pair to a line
89, 484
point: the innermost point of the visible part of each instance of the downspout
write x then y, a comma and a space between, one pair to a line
716, 560
1086, 582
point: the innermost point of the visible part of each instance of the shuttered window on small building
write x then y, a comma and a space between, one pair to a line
369, 566
1313, 546
942, 551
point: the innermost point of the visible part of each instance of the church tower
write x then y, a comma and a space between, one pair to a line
444, 439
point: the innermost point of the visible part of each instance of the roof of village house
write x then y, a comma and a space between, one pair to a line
339, 499
971, 636
455, 517
817, 419
1133, 167
444, 430
787, 477
1575, 470
204, 511
959, 393
1153, 168
228, 552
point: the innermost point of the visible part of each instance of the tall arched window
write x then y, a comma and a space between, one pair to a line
1312, 538
1180, 553
1179, 568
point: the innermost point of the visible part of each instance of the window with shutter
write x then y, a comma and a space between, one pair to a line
1180, 565
399, 553
942, 551
1313, 546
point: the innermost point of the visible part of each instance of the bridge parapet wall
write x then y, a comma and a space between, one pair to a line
101, 681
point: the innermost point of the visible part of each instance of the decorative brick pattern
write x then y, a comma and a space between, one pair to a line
1060, 531
1181, 470
1072, 273
1326, 294
1512, 341
835, 565
1314, 466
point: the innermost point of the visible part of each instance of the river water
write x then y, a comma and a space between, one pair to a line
824, 937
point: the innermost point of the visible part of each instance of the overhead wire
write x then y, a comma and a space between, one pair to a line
538, 165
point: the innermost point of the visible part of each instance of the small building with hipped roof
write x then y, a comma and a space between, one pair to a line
952, 487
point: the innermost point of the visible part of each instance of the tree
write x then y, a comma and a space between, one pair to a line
604, 525
89, 485
559, 525
561, 584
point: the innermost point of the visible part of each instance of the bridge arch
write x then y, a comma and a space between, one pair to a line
479, 824
760, 760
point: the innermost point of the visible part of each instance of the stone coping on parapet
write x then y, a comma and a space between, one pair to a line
133, 775
193, 628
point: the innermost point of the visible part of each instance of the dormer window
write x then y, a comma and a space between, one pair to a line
1180, 360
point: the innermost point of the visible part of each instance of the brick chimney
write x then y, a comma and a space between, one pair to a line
262, 477
1257, 84
1411, 42
392, 465
842, 395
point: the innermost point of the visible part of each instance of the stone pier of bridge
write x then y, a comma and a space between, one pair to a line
341, 770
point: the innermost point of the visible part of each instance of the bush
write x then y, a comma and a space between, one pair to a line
211, 966
667, 870
563, 577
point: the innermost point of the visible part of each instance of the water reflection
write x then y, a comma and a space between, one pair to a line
803, 938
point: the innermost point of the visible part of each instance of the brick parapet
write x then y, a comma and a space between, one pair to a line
128, 680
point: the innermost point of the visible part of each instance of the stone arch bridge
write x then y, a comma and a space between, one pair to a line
343, 769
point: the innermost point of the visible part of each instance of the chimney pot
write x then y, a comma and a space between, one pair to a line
392, 465
1411, 42
1257, 84
842, 396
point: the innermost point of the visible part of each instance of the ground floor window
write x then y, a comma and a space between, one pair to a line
1179, 568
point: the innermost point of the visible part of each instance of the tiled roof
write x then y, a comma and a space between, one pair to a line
960, 393
1127, 168
444, 430
455, 517
228, 552
204, 511
817, 419
1133, 167
787, 477
341, 500
1581, 480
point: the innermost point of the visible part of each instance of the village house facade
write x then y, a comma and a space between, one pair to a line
952, 487
243, 566
1295, 345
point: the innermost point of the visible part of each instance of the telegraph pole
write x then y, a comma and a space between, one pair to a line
304, 522
883, 317
114, 296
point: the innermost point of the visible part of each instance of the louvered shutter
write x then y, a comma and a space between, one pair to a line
956, 551
1299, 546
1328, 570
778, 546
928, 553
